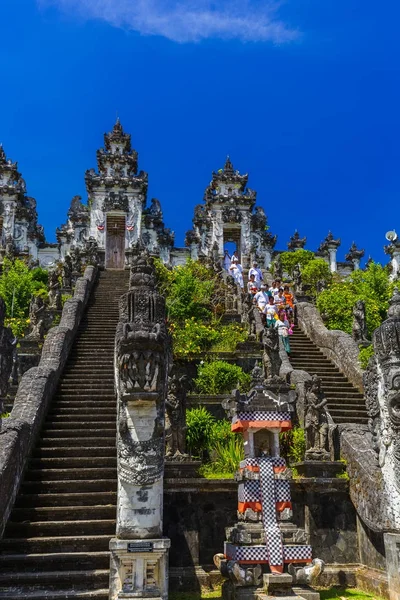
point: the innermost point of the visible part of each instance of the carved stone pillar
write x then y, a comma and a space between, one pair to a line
139, 552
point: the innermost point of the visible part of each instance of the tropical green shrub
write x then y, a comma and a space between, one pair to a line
364, 356
298, 257
315, 271
228, 337
17, 285
219, 377
226, 457
293, 445
372, 285
18, 325
192, 337
199, 423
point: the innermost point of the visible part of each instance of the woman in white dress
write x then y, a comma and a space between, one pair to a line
236, 271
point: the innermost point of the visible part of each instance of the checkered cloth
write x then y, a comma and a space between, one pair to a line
249, 491
260, 553
282, 489
277, 461
261, 415
273, 536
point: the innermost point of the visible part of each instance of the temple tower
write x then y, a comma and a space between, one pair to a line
116, 216
228, 215
19, 231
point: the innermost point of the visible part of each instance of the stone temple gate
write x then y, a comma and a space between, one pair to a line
117, 215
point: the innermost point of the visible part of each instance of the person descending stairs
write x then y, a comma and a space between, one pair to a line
345, 403
55, 545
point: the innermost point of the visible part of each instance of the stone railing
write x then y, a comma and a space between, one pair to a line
37, 387
335, 344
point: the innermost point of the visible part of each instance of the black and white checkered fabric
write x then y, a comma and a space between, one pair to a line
297, 553
249, 491
282, 490
260, 553
261, 415
273, 536
277, 461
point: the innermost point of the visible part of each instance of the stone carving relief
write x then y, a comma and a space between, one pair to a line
382, 396
175, 419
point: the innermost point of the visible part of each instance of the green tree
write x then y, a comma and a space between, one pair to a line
298, 257
17, 285
372, 286
315, 271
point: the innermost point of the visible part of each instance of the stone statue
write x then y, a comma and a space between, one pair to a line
271, 359
382, 398
67, 272
278, 269
55, 300
307, 575
7, 345
240, 575
175, 419
92, 252
297, 279
76, 259
316, 422
37, 321
142, 363
360, 332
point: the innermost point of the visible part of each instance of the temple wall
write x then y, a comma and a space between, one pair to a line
196, 512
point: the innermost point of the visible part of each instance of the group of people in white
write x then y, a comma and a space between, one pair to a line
275, 302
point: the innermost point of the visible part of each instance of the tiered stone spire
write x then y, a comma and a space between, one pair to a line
296, 242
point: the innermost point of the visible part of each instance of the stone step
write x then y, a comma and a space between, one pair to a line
59, 528
65, 486
61, 513
107, 429
73, 543
76, 451
83, 397
66, 474
99, 378
343, 394
66, 442
71, 594
83, 415
341, 419
73, 462
75, 404
66, 499
66, 561
51, 580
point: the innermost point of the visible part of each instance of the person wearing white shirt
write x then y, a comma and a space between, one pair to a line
254, 270
270, 312
236, 270
261, 298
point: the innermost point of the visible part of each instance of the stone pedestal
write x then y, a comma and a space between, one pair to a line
181, 469
319, 468
139, 568
392, 550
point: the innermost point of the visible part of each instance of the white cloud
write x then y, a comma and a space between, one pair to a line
187, 20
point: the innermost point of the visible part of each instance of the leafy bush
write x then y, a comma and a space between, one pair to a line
298, 257
315, 271
192, 337
364, 356
18, 325
199, 423
226, 457
228, 336
219, 377
17, 285
372, 285
293, 445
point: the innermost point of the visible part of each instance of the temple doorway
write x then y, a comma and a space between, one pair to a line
232, 237
115, 242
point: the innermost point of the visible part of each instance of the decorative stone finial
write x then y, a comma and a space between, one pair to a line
296, 241
354, 253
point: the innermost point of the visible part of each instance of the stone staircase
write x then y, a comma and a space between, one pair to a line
345, 403
55, 545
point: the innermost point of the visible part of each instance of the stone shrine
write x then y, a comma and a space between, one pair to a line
264, 538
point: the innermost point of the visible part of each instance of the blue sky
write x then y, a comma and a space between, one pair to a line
304, 95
